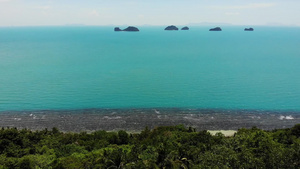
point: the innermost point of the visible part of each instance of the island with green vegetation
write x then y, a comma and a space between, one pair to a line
162, 147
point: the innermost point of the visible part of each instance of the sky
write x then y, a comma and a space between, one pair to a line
149, 12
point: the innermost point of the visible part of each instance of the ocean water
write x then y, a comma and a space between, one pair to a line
71, 68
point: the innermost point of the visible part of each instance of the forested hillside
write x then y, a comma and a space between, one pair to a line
163, 147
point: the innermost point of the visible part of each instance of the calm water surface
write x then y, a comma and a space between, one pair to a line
58, 68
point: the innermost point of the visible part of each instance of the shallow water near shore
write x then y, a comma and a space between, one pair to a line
73, 72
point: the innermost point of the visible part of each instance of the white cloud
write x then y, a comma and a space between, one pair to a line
43, 7
94, 13
247, 6
232, 13
141, 16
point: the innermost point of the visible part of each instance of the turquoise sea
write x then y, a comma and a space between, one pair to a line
69, 68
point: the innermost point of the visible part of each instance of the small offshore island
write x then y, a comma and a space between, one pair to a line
171, 28
174, 28
128, 29
248, 29
185, 28
215, 29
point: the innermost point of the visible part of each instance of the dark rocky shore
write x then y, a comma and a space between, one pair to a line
138, 119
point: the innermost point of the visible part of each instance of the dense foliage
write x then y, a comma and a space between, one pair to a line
162, 147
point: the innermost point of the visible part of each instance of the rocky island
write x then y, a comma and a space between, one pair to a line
215, 29
248, 29
128, 29
171, 28
185, 28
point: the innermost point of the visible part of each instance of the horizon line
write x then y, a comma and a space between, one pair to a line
143, 25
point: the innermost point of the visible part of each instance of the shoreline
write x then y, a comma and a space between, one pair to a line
137, 119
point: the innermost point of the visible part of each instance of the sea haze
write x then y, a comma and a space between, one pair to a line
69, 68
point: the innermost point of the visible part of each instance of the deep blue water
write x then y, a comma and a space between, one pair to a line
57, 68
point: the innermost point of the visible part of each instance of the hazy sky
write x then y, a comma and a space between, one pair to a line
152, 12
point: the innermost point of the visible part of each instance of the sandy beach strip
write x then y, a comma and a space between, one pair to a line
226, 133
